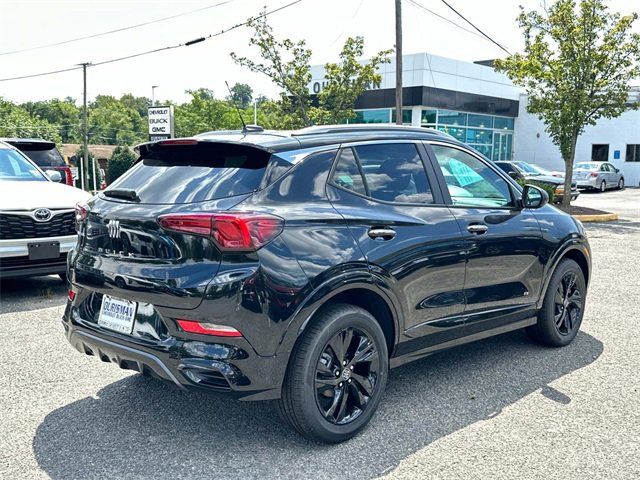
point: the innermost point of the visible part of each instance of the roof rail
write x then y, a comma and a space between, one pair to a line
326, 129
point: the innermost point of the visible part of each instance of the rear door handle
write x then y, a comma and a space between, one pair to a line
382, 233
477, 228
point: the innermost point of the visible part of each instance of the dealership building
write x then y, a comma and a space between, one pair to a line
481, 107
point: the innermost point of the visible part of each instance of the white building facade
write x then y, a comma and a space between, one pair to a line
482, 108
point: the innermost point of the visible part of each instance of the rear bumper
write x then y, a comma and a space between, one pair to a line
200, 362
587, 183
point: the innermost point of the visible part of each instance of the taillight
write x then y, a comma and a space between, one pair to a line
238, 231
81, 215
206, 328
68, 178
594, 174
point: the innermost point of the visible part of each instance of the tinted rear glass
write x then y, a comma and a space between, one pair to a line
44, 158
186, 174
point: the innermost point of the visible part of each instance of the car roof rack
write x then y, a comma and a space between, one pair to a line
361, 128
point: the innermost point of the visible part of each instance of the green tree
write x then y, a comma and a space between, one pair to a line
64, 115
15, 121
204, 113
346, 81
286, 63
576, 67
121, 160
114, 123
241, 94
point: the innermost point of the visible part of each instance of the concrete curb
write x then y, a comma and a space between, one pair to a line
605, 217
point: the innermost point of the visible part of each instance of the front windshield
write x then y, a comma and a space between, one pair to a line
539, 170
527, 168
587, 166
13, 166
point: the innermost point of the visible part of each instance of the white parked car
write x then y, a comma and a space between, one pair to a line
37, 217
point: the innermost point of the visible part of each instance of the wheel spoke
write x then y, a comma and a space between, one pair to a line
343, 404
337, 397
357, 393
338, 349
559, 318
327, 381
364, 382
346, 342
365, 350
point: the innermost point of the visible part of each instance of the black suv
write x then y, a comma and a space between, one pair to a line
301, 265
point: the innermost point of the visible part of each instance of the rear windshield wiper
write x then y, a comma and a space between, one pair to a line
125, 193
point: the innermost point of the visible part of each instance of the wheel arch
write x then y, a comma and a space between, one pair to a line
579, 254
364, 295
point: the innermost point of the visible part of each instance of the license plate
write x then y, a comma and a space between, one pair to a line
43, 250
117, 314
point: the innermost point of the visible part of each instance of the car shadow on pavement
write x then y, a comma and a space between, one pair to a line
142, 428
22, 294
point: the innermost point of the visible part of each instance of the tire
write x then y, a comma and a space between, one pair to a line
603, 186
309, 385
63, 277
560, 317
621, 183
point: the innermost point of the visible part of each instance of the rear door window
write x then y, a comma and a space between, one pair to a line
195, 173
388, 172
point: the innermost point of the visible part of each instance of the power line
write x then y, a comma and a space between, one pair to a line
476, 28
155, 50
109, 32
442, 17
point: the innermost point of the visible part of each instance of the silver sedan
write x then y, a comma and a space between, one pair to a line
598, 176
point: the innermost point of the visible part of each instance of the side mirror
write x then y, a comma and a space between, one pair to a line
534, 197
513, 174
53, 175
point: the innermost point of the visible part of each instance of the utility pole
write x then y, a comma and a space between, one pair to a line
255, 111
398, 62
153, 95
85, 128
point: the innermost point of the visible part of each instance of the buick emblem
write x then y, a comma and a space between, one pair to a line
113, 228
42, 215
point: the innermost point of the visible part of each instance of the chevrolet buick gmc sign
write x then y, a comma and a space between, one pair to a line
160, 122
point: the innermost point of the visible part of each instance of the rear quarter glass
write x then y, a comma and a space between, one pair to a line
181, 174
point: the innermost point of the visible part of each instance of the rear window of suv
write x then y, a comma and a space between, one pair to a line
195, 173
43, 157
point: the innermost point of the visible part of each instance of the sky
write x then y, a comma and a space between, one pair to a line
323, 24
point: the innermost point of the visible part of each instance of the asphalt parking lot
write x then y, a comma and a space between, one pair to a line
500, 408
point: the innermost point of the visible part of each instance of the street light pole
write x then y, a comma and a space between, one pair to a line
153, 95
398, 62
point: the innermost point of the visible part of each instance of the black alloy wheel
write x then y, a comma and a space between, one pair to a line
562, 310
568, 304
346, 375
336, 374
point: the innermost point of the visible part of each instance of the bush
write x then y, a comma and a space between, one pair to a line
547, 187
120, 161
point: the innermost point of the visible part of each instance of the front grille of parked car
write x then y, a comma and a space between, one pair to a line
21, 226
